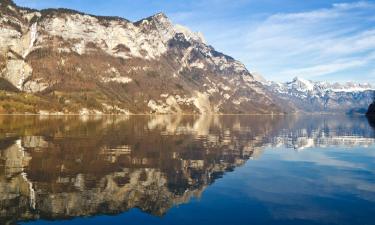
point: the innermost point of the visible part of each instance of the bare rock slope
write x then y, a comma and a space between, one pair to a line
60, 60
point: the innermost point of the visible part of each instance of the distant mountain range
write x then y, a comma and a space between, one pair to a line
310, 96
61, 61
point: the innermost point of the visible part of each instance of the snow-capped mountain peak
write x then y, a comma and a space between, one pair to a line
301, 84
323, 96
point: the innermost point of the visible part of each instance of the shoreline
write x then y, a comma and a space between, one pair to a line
179, 114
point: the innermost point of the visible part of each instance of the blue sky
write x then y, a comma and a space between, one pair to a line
280, 39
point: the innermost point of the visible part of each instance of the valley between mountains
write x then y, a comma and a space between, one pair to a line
60, 61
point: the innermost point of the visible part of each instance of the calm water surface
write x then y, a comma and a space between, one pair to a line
187, 170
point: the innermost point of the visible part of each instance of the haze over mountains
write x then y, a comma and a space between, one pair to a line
64, 61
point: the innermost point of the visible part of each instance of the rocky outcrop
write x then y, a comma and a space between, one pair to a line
112, 65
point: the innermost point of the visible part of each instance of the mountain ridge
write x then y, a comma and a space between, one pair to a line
92, 64
318, 96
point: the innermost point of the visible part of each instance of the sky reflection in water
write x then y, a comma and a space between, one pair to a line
187, 170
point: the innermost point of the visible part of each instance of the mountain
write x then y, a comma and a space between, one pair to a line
64, 61
371, 109
311, 96
370, 114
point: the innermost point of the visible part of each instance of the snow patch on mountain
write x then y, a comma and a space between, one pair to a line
303, 85
318, 96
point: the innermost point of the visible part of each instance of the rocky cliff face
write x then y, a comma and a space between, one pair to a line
89, 64
310, 96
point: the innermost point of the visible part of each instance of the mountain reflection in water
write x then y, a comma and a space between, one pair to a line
66, 167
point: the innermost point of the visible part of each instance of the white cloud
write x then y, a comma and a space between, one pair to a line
322, 69
327, 43
332, 67
313, 44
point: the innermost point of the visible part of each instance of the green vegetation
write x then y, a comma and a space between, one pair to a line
72, 102
11, 102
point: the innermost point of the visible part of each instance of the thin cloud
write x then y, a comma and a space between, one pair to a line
332, 67
314, 43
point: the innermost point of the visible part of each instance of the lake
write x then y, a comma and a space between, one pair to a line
187, 170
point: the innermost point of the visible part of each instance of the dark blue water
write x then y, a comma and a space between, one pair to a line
159, 170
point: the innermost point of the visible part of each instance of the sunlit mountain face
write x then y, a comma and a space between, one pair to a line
57, 168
